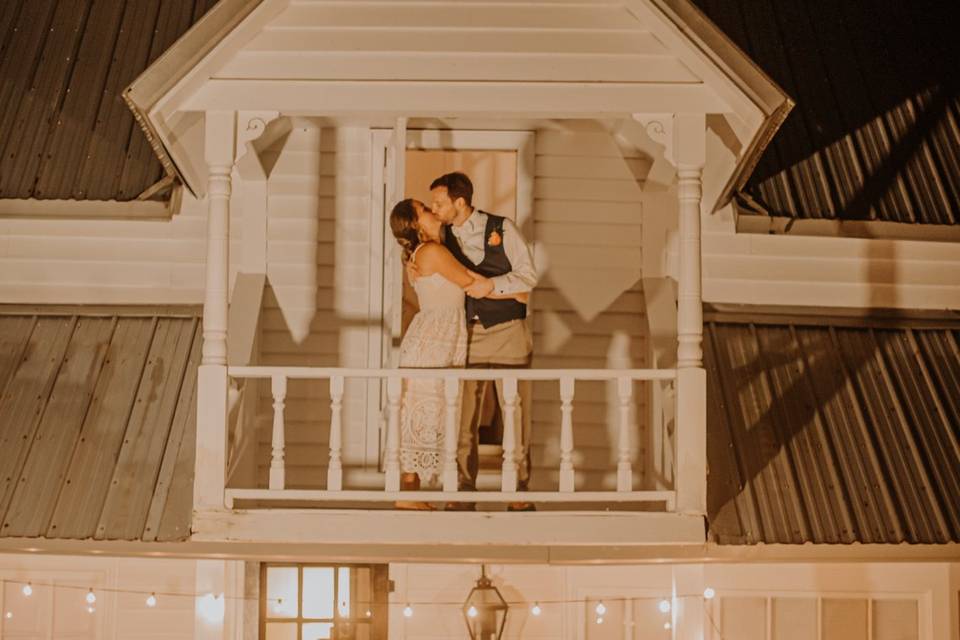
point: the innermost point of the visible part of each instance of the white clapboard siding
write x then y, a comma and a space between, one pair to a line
316, 307
479, 41
588, 309
130, 261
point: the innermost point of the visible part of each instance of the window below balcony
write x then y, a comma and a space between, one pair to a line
323, 602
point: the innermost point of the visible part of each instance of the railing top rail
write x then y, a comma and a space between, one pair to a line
462, 374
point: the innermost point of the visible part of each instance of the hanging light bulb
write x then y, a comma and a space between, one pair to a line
664, 606
472, 611
535, 609
708, 593
408, 611
599, 620
666, 625
91, 597
90, 609
601, 608
9, 615
152, 600
369, 613
27, 590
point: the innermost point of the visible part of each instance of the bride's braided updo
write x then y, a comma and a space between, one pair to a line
403, 223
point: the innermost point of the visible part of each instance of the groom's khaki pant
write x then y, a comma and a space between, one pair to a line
507, 345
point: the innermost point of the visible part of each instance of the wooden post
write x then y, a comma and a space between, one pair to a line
624, 466
567, 476
451, 389
277, 463
508, 478
335, 468
392, 462
219, 153
688, 604
210, 468
691, 425
690, 155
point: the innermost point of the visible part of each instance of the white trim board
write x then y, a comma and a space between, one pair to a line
85, 209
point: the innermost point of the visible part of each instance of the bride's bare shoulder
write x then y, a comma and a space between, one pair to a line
429, 253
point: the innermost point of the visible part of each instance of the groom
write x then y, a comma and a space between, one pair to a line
498, 336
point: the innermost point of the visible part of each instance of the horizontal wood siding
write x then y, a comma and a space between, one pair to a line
472, 41
317, 301
108, 261
588, 310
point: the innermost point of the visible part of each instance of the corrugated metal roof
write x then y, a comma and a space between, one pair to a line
97, 424
67, 133
876, 130
829, 431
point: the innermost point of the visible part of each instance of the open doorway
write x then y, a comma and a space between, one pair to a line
500, 165
494, 177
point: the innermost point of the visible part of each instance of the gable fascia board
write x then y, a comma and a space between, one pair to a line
153, 95
757, 99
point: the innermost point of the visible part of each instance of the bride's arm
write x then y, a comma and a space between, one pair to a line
520, 297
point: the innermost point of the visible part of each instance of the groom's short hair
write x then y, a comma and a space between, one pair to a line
457, 184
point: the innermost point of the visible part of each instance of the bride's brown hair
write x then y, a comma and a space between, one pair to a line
403, 223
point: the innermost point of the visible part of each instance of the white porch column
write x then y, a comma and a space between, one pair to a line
690, 156
211, 461
688, 613
219, 150
691, 427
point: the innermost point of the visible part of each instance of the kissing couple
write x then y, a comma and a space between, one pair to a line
472, 272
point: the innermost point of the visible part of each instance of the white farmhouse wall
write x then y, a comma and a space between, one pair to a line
107, 261
588, 310
121, 586
316, 308
870, 601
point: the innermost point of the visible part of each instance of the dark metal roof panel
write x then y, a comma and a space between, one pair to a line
97, 425
67, 132
833, 434
875, 131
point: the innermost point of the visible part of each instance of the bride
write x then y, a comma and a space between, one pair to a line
435, 339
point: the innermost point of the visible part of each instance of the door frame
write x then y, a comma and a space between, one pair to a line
386, 278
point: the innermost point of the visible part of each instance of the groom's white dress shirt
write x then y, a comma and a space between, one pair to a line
470, 237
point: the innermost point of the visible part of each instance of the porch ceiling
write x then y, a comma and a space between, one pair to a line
97, 423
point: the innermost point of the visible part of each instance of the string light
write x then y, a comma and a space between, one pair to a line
91, 597
408, 611
9, 614
709, 593
535, 609
152, 600
601, 608
27, 590
664, 606
369, 613
599, 620
90, 609
666, 625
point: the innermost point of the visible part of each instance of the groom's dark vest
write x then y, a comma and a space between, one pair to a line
495, 263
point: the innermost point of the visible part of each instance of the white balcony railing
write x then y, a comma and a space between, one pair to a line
336, 491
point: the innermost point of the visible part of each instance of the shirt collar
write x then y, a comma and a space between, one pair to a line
471, 224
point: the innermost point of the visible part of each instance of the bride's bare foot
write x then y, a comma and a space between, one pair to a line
411, 482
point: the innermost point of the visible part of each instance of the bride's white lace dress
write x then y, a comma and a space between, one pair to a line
435, 339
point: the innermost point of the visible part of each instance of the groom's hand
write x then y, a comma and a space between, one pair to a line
480, 288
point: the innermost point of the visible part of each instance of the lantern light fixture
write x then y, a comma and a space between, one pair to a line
485, 610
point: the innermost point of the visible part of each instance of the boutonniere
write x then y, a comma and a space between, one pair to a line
494, 240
